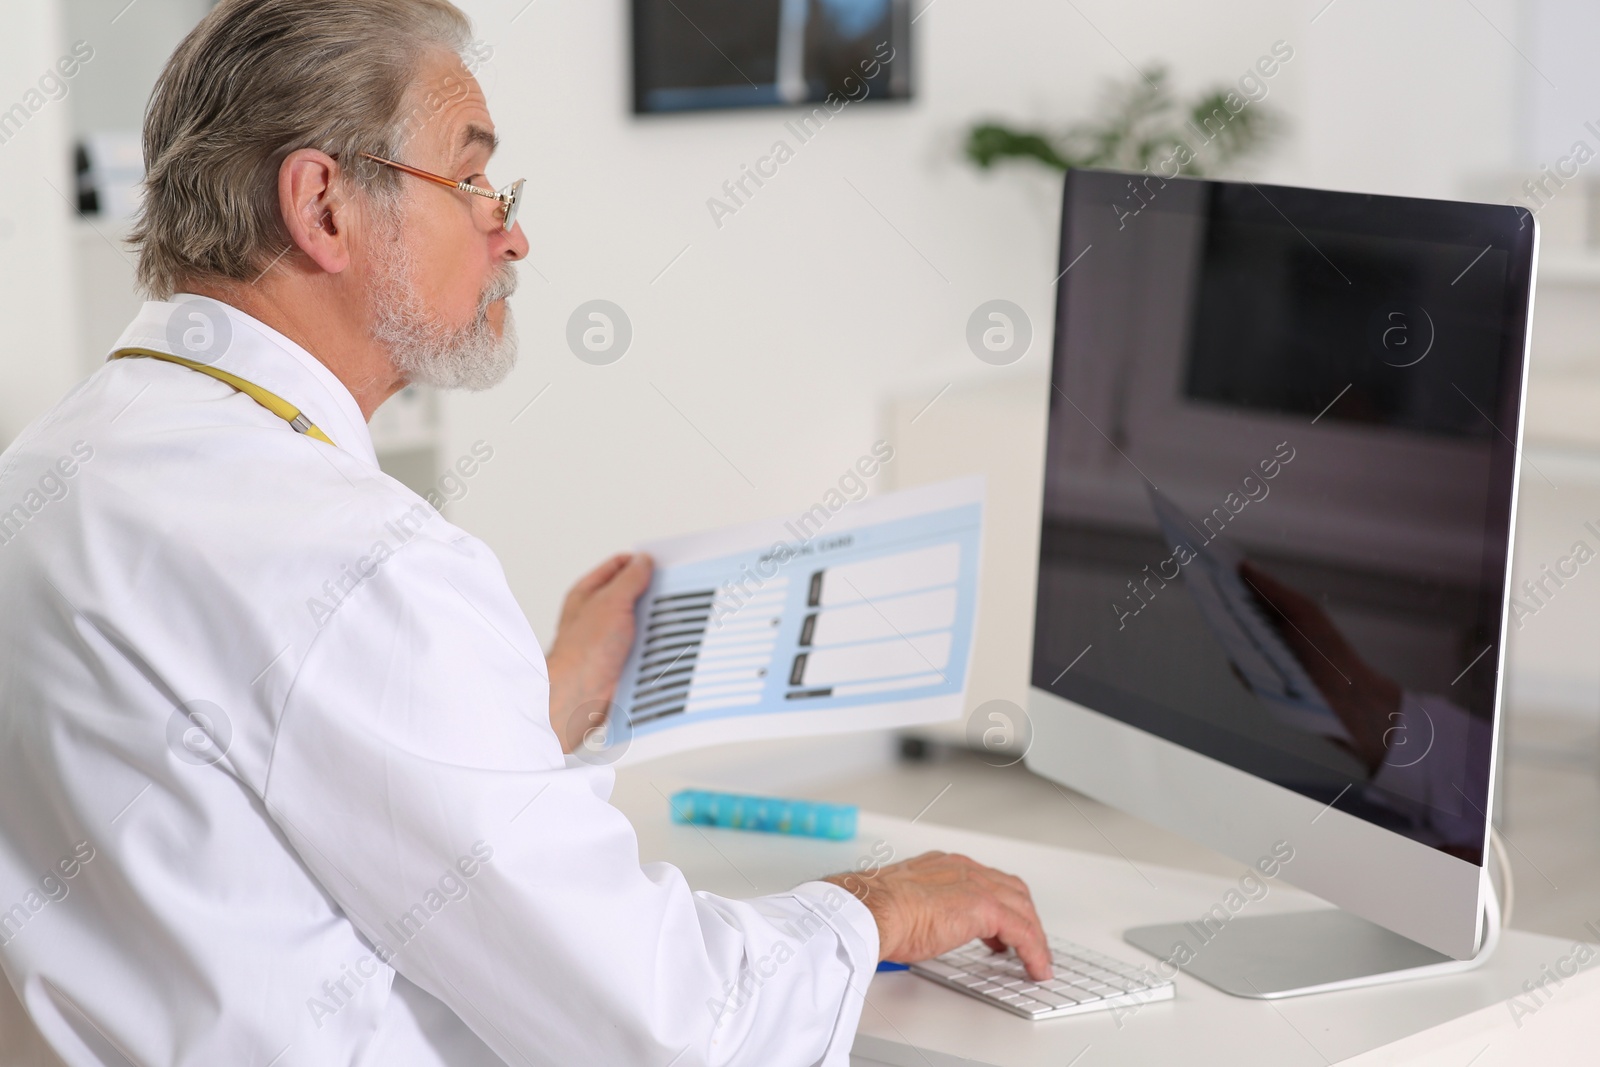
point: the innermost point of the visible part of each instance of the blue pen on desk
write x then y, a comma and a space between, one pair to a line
773, 815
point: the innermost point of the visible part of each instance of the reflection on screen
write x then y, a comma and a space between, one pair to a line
1278, 485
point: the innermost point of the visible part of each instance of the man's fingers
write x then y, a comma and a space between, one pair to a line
1011, 890
1021, 930
639, 569
1013, 921
602, 574
629, 580
1010, 881
1015, 900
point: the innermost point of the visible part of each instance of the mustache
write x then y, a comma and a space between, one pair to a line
501, 286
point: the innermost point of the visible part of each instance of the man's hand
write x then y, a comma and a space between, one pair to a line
936, 902
592, 643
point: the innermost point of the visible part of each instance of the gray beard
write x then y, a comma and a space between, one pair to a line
423, 348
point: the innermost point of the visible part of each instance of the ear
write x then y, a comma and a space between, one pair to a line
317, 217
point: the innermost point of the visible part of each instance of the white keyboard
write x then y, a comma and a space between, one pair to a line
1084, 980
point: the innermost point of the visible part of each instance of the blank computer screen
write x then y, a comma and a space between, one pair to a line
1279, 484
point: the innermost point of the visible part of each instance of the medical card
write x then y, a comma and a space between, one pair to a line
827, 621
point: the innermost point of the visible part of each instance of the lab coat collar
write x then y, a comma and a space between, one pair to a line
259, 354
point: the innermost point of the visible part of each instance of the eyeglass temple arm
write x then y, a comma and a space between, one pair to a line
435, 178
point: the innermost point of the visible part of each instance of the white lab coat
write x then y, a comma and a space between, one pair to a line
378, 853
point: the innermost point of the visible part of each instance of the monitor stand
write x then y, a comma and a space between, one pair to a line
1267, 957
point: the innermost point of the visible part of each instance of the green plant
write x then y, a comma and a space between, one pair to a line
1141, 125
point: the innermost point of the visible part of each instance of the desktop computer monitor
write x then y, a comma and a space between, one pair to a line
1279, 488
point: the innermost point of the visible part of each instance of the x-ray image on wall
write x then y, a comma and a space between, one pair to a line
690, 55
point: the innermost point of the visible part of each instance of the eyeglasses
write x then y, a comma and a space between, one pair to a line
509, 198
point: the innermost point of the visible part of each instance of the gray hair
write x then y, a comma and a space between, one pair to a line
254, 81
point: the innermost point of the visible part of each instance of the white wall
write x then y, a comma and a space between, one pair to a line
1411, 98
38, 355
132, 43
779, 335
1561, 79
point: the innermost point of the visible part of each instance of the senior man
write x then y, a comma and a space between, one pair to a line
284, 775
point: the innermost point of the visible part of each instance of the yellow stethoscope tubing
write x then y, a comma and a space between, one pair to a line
271, 401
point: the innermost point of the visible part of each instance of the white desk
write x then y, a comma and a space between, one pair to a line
1091, 899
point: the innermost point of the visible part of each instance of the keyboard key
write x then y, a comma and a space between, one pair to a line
943, 970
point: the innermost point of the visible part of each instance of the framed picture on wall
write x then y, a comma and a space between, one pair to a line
693, 55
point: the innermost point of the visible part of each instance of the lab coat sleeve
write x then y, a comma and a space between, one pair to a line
417, 776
